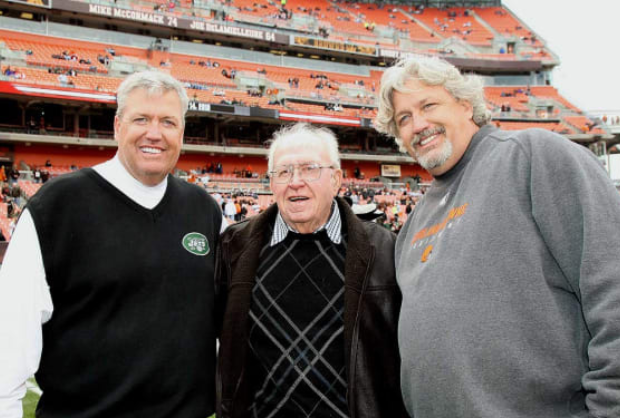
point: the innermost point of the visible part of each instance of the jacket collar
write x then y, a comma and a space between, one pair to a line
247, 241
359, 249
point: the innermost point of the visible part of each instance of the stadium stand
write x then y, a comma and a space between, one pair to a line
251, 65
394, 17
456, 22
505, 24
210, 81
29, 188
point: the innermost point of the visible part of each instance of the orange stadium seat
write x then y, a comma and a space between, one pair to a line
548, 92
460, 26
583, 124
506, 24
29, 188
385, 16
331, 15
557, 127
500, 96
211, 86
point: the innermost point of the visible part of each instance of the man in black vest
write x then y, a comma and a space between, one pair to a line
309, 298
107, 287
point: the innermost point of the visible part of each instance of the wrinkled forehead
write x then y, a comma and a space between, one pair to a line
416, 93
142, 100
298, 153
415, 86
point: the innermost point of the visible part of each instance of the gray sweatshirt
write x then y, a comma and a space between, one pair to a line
510, 274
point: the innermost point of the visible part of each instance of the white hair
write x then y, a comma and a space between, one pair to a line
154, 82
306, 135
431, 71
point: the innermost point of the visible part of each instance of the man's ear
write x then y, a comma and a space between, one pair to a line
336, 180
469, 109
117, 127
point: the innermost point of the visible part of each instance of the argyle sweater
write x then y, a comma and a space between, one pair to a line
296, 334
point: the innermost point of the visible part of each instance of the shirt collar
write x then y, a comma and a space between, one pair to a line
116, 174
333, 226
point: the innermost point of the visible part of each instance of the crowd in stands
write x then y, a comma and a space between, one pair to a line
165, 7
337, 94
203, 63
387, 207
216, 168
345, 19
11, 197
16, 187
237, 207
390, 207
610, 120
16, 74
336, 107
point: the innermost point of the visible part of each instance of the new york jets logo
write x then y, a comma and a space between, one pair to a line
196, 243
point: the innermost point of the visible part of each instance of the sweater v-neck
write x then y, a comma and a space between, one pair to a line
107, 185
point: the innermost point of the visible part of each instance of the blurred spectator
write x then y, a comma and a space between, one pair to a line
63, 80
37, 175
230, 211
10, 208
13, 175
6, 193
8, 71
32, 125
16, 194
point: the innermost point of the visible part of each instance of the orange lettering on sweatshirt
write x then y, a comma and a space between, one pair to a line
434, 229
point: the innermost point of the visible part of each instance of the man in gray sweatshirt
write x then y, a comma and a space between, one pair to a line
509, 266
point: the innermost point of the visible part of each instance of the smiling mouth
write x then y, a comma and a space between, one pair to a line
427, 136
149, 150
427, 140
297, 198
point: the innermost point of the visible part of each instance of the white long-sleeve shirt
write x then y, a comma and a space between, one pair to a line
25, 299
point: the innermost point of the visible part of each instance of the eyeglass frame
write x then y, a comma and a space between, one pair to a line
295, 167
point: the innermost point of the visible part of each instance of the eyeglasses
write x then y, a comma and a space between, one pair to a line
283, 174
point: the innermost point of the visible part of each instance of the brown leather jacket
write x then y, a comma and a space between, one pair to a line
372, 302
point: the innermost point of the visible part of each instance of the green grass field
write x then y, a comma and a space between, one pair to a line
30, 404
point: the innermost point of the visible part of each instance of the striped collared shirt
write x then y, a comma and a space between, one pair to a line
333, 226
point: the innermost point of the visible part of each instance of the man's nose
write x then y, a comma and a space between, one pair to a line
420, 123
296, 180
153, 130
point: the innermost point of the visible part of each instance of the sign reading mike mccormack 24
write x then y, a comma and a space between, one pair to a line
169, 20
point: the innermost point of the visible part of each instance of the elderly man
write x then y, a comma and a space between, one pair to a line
107, 286
508, 266
310, 297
